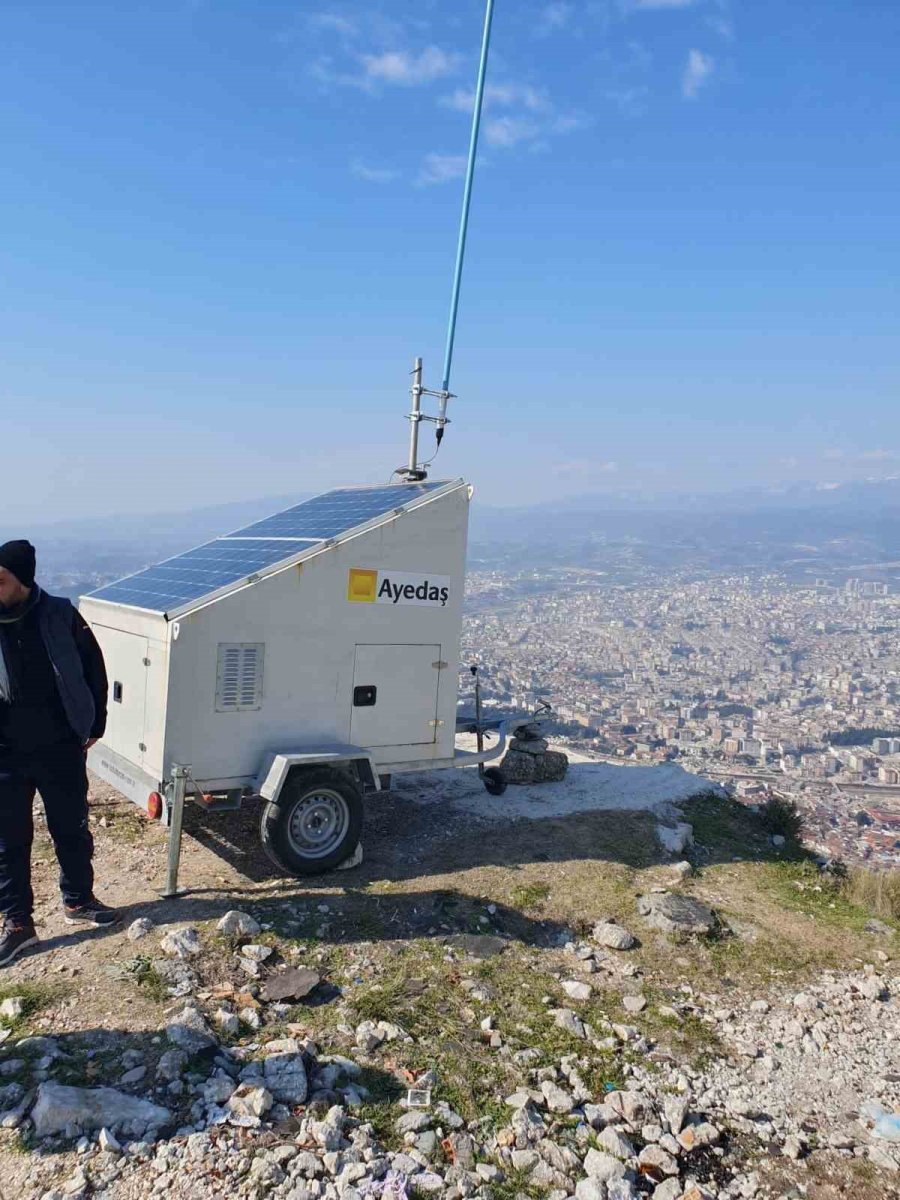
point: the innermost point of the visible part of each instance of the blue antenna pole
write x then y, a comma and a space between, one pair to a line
467, 200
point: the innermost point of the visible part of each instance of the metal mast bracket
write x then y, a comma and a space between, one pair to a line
177, 789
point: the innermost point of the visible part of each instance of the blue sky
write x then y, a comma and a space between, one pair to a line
228, 226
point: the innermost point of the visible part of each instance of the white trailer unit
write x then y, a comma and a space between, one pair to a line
302, 659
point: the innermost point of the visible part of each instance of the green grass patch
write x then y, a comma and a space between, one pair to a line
515, 1184
148, 979
685, 1034
724, 827
802, 887
769, 958
34, 997
529, 895
124, 824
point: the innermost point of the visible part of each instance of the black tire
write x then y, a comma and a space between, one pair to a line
494, 781
314, 824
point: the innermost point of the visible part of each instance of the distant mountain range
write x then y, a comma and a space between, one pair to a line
808, 527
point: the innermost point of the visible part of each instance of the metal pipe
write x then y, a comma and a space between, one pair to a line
467, 200
176, 818
479, 730
415, 418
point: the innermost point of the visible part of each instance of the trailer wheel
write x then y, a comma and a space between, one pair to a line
494, 781
314, 824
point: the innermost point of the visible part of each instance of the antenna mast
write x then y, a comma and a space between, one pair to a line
414, 471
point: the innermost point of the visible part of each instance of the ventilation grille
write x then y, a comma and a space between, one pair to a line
239, 676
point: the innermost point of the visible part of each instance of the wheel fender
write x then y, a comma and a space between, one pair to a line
279, 765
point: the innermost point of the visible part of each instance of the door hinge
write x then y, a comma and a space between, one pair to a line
436, 724
146, 662
440, 665
141, 746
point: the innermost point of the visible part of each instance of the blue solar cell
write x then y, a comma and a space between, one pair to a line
227, 560
196, 573
327, 516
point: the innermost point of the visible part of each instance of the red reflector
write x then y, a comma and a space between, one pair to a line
154, 806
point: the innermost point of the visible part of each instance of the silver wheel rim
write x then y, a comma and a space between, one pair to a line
318, 823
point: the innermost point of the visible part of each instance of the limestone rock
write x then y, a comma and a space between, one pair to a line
238, 924
551, 767
565, 1019
576, 990
182, 943
590, 1189
529, 745
59, 1109
603, 1167
675, 839
295, 983
285, 1073
248, 1104
518, 767
139, 929
612, 936
672, 913
615, 1143
189, 1032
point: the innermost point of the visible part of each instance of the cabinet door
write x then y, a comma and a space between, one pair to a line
126, 656
395, 695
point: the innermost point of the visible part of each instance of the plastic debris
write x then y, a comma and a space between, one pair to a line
886, 1124
392, 1187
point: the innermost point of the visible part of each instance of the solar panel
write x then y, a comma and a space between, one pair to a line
328, 515
197, 573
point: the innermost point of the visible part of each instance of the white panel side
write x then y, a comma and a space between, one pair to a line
310, 630
155, 707
119, 616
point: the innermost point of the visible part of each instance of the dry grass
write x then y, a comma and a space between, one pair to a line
878, 892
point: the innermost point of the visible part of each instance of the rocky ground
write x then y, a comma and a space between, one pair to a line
602, 1005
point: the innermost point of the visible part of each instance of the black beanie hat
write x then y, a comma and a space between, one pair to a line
18, 558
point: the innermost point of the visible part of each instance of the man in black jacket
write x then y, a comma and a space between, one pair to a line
53, 693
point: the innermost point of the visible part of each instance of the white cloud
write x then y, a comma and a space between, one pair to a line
510, 131
500, 95
553, 16
333, 23
529, 119
697, 70
651, 4
632, 101
409, 70
723, 27
373, 174
879, 455
441, 168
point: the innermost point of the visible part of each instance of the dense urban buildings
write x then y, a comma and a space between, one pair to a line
756, 682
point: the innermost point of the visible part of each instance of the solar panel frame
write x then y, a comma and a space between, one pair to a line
264, 555
332, 513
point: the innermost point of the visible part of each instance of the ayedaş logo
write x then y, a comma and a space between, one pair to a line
398, 587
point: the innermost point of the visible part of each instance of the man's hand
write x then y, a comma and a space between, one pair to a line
90, 742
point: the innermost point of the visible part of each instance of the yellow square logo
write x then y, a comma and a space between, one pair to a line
361, 586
